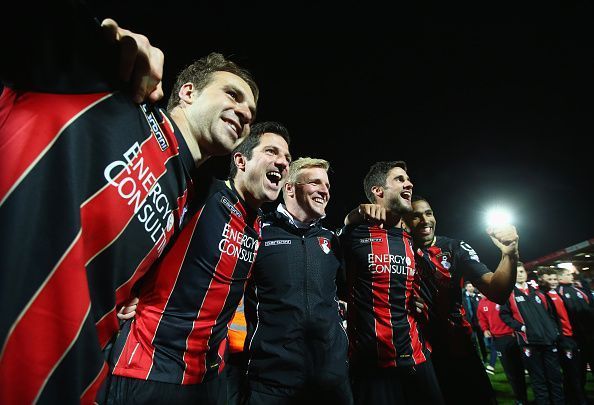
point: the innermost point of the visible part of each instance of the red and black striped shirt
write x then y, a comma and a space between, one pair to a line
383, 280
179, 334
92, 189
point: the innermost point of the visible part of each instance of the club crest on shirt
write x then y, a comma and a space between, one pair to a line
324, 244
444, 260
537, 299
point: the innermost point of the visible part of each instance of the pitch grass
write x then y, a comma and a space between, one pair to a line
504, 393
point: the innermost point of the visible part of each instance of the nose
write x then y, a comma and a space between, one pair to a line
408, 185
244, 113
282, 163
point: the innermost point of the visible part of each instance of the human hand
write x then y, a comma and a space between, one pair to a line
506, 238
141, 64
487, 334
128, 310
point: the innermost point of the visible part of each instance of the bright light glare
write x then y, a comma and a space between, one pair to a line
498, 216
565, 266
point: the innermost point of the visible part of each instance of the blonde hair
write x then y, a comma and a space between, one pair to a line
305, 163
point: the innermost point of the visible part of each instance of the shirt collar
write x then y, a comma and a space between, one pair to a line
295, 222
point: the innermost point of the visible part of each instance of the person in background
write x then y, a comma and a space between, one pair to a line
569, 353
579, 306
505, 346
527, 312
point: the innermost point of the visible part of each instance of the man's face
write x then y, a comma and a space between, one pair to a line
397, 192
421, 222
312, 193
469, 288
550, 280
566, 277
521, 275
221, 113
265, 172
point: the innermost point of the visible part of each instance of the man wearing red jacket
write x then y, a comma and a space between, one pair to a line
506, 346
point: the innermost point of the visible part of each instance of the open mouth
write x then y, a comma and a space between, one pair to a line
407, 195
274, 177
234, 127
319, 200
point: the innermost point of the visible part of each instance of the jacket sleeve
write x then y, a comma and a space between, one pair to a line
506, 315
482, 318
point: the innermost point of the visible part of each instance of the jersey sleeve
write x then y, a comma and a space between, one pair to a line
469, 263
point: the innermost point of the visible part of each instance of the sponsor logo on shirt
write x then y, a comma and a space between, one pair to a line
155, 128
237, 244
277, 242
231, 207
389, 263
519, 298
138, 186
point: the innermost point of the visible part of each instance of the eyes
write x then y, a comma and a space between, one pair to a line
233, 94
275, 152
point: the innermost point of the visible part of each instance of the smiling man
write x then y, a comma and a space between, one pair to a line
297, 345
173, 350
447, 263
389, 356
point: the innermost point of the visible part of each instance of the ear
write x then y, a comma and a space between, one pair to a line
239, 160
290, 189
185, 92
378, 191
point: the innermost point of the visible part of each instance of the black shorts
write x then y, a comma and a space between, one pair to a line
128, 391
396, 385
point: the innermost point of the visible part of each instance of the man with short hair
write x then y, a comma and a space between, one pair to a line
390, 360
296, 344
103, 182
173, 350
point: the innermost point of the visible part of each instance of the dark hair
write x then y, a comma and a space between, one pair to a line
520, 264
253, 139
417, 197
199, 74
377, 175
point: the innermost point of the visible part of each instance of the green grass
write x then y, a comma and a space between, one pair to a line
504, 392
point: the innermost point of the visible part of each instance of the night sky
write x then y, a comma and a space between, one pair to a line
486, 105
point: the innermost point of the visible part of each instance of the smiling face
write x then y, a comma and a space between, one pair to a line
306, 199
421, 222
396, 194
219, 115
260, 178
550, 280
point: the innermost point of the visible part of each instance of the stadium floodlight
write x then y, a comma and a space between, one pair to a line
498, 216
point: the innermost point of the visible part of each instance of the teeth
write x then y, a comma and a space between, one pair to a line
319, 200
274, 174
233, 127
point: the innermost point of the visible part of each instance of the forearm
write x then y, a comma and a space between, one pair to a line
498, 285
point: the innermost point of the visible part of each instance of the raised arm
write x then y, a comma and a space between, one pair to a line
498, 285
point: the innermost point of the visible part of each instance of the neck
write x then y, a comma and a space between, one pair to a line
299, 214
246, 195
522, 284
181, 120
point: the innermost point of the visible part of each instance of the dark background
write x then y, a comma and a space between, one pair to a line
488, 104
